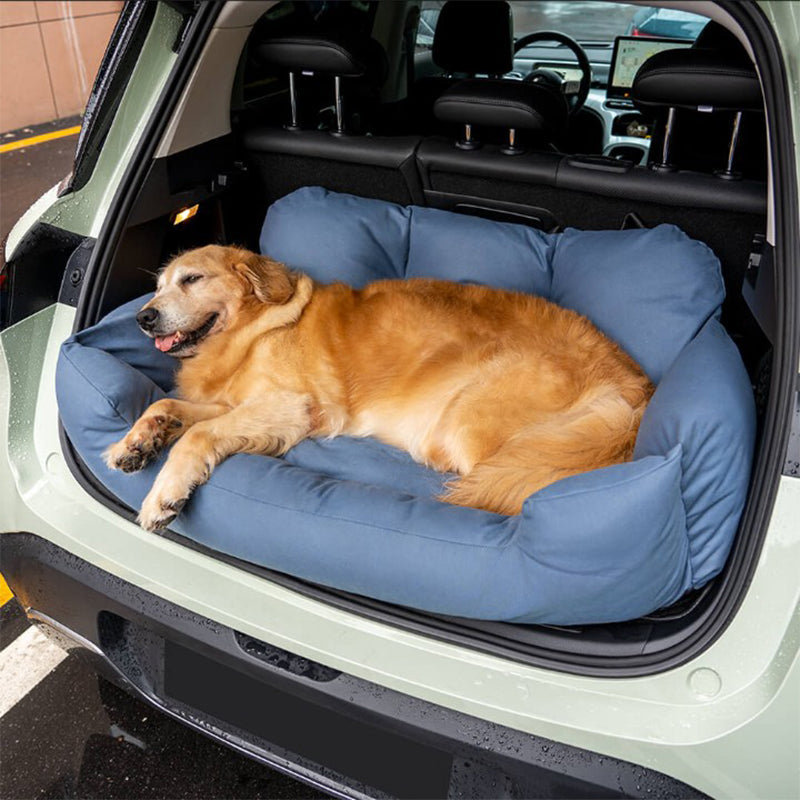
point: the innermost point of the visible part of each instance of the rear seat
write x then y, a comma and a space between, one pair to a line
470, 39
449, 170
372, 166
711, 97
286, 158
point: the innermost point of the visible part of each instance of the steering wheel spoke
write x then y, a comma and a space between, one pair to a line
575, 92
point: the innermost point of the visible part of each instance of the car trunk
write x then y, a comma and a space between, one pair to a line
233, 179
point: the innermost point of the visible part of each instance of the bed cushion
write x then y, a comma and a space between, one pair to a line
361, 516
649, 289
333, 236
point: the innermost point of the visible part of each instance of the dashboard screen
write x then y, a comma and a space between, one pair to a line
630, 52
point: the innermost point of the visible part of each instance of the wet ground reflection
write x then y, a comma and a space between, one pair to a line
78, 736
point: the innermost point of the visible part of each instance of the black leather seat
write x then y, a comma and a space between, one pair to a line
507, 106
284, 158
472, 37
357, 59
504, 128
709, 99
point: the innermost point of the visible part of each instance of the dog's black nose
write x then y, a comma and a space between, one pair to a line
147, 318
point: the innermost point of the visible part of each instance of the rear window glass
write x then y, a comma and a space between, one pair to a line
590, 21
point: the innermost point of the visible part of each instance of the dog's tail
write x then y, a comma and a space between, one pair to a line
598, 431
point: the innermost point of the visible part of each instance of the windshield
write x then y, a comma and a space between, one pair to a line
584, 20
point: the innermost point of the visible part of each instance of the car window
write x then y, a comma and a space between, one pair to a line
586, 21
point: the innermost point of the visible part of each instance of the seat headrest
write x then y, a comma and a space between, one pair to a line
705, 78
714, 35
347, 55
474, 37
504, 104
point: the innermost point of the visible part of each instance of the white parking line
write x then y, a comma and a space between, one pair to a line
26, 661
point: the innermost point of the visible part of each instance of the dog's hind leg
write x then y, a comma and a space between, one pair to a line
597, 433
160, 425
501, 483
270, 427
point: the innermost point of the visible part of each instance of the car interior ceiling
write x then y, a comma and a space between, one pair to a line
412, 147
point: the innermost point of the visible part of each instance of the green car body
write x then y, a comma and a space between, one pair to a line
725, 721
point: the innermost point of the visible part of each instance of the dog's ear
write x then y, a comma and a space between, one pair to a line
270, 280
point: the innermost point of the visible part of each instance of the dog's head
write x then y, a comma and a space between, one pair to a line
202, 292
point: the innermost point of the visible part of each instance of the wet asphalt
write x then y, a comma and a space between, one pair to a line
75, 735
27, 173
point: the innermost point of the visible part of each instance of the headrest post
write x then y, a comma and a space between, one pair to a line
664, 165
337, 87
728, 174
358, 57
511, 148
293, 126
468, 143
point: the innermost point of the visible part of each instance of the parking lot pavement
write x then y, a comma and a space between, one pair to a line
68, 734
28, 171
64, 732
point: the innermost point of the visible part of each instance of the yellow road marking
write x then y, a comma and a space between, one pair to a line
44, 137
5, 592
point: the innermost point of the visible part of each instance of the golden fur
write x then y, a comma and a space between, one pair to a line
507, 390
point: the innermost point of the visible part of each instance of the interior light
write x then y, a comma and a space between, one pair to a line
184, 214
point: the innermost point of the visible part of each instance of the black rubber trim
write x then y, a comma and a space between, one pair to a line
75, 272
131, 635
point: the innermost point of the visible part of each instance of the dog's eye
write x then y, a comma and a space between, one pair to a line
187, 279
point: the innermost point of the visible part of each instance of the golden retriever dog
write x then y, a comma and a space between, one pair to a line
507, 390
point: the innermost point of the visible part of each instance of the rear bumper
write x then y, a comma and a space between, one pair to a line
342, 734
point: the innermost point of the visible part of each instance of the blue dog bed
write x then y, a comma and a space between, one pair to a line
357, 515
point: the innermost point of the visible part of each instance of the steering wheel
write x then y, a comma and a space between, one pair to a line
575, 100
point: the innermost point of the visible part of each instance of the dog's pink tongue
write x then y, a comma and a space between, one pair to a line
164, 343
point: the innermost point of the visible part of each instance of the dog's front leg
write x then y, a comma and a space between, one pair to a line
163, 422
269, 427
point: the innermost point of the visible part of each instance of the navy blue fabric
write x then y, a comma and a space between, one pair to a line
361, 516
467, 249
120, 336
651, 290
340, 237
705, 402
370, 244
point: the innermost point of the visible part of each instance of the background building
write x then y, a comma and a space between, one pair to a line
49, 54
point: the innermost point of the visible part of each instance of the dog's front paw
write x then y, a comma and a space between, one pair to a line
168, 496
129, 456
158, 512
142, 444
